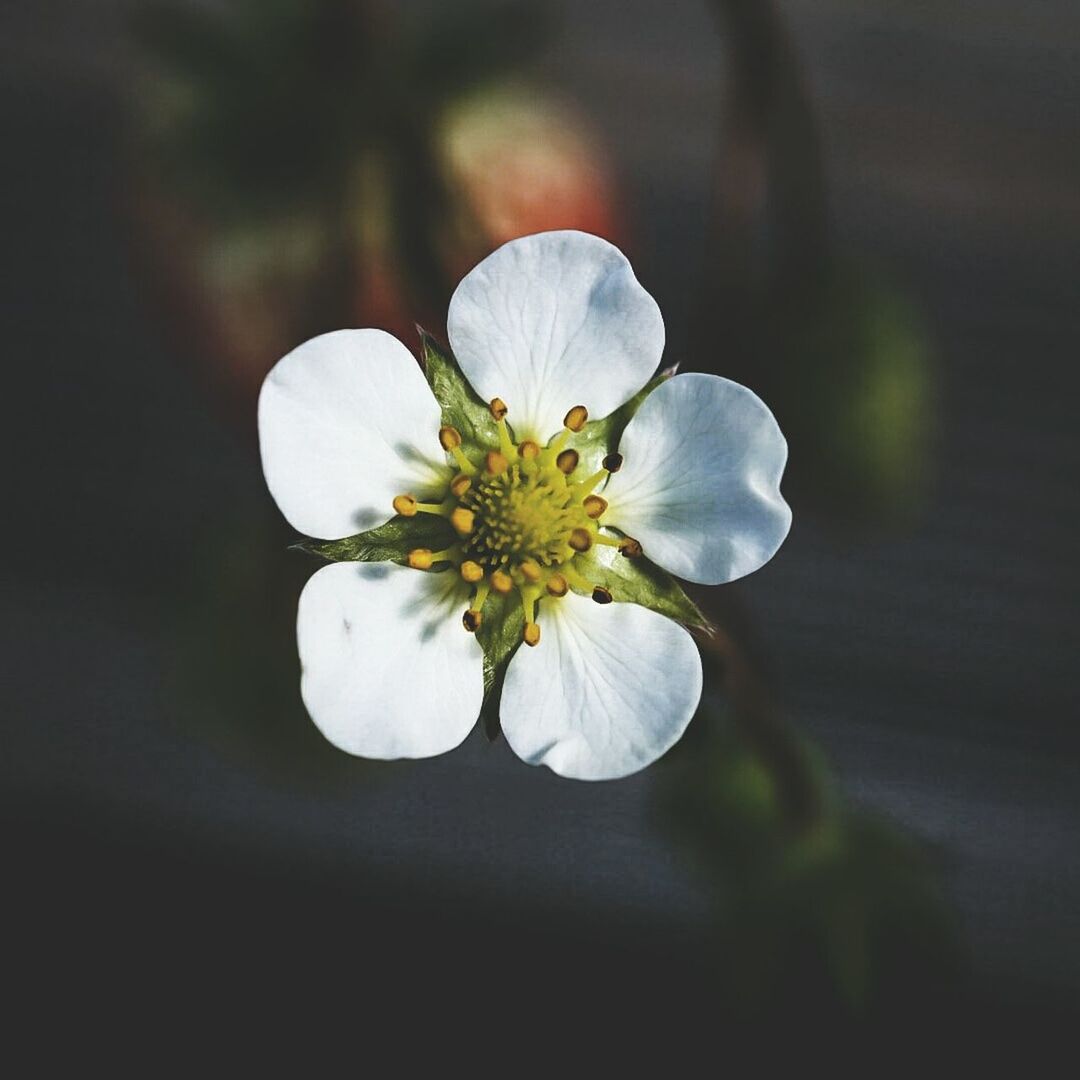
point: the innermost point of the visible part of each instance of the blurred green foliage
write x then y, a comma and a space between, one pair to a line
236, 676
261, 106
856, 392
319, 118
819, 906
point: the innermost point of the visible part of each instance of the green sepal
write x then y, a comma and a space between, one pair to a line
499, 636
598, 438
461, 408
391, 542
639, 581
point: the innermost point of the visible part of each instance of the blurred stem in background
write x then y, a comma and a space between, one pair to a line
840, 353
769, 153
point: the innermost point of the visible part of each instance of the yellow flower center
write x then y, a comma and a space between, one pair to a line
522, 519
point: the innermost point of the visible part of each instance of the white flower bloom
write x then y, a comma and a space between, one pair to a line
550, 328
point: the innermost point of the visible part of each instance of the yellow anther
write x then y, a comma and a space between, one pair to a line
463, 520
529, 450
594, 506
531, 634
496, 463
405, 505
630, 548
471, 620
498, 409
530, 571
576, 417
472, 572
567, 461
449, 438
601, 595
581, 539
557, 585
459, 485
420, 559
502, 582
613, 462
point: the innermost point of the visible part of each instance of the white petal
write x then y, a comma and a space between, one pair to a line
551, 321
388, 669
700, 481
346, 422
607, 691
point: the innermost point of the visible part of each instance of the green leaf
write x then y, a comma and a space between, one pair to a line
391, 542
461, 408
598, 438
639, 581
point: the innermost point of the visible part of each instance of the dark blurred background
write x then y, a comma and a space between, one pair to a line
866, 210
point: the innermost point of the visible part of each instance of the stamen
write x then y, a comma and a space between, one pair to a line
557, 585
573, 422
530, 571
471, 620
576, 417
498, 411
496, 463
580, 539
459, 485
594, 506
449, 438
601, 595
463, 520
481, 595
557, 444
463, 463
472, 572
630, 548
613, 462
529, 450
608, 541
567, 461
405, 505
450, 441
531, 633
420, 558
576, 580
442, 509
585, 486
502, 582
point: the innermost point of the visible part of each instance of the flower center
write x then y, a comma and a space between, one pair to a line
523, 514
522, 519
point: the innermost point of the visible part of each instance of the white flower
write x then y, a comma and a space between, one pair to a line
350, 431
